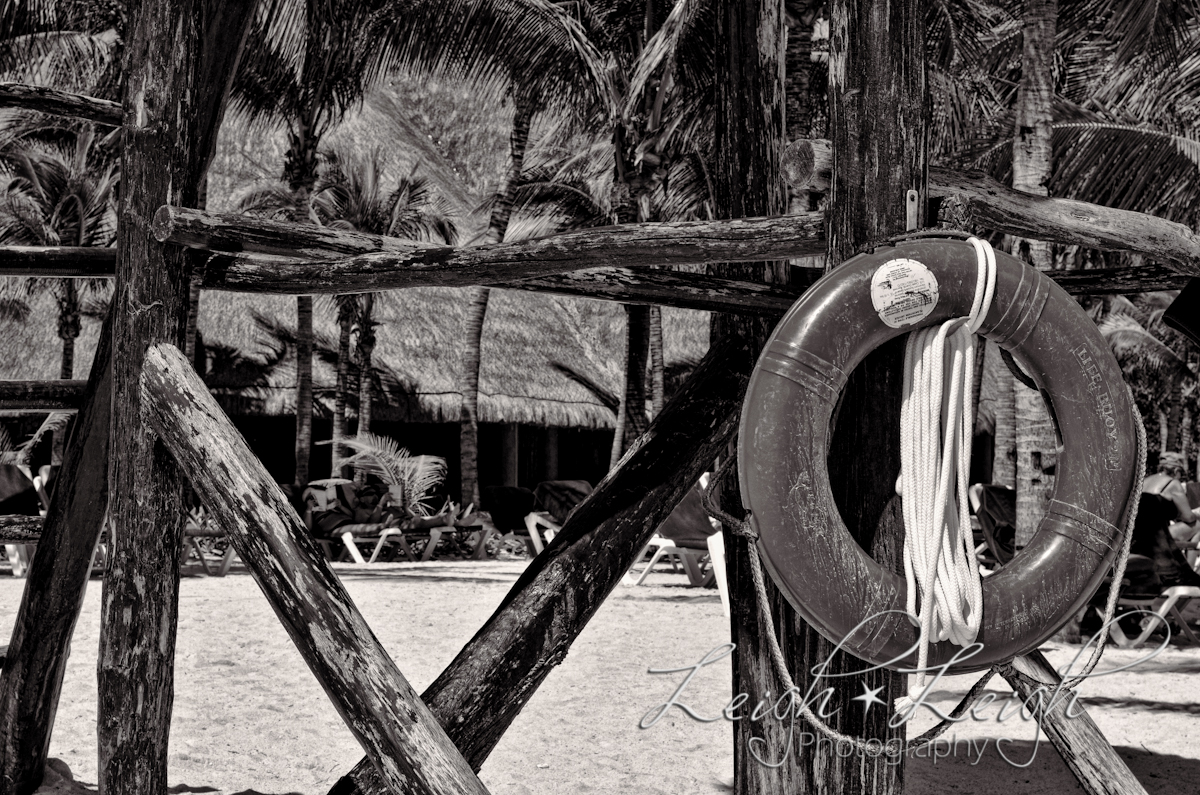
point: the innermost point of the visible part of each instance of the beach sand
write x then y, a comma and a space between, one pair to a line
250, 718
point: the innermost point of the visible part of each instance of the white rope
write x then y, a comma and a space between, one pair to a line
935, 448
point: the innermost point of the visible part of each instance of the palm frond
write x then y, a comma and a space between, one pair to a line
384, 457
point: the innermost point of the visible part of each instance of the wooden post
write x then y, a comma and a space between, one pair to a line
401, 737
1096, 765
877, 117
481, 692
57, 579
180, 58
747, 182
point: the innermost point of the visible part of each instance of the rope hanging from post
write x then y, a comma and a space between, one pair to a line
939, 559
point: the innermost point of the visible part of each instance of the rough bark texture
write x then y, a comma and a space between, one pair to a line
173, 99
1031, 160
366, 352
304, 346
57, 261
481, 692
20, 529
632, 420
468, 426
346, 305
468, 417
878, 116
57, 579
401, 736
41, 395
1096, 765
666, 243
656, 360
60, 103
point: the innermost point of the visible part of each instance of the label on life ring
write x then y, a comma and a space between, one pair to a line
903, 292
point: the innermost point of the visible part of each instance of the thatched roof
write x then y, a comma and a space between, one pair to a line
420, 340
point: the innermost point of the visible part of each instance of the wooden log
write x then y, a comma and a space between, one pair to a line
679, 289
1071, 222
1093, 761
1066, 221
674, 288
17, 529
630, 245
481, 692
402, 738
42, 395
55, 585
180, 57
59, 262
60, 103
233, 232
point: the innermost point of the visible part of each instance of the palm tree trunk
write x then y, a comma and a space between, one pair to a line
468, 415
304, 395
193, 318
300, 172
656, 360
1163, 432
68, 325
468, 429
346, 305
632, 420
366, 350
1185, 434
1174, 417
1004, 456
1032, 150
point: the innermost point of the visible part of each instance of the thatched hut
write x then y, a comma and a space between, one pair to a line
538, 419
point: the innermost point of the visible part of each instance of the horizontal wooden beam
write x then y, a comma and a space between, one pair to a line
17, 529
403, 740
1003, 209
42, 395
58, 262
60, 103
1107, 281
234, 232
631, 245
1070, 222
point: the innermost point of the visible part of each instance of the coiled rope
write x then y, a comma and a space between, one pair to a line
873, 747
935, 445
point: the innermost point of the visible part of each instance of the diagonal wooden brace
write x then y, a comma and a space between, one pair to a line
483, 690
406, 746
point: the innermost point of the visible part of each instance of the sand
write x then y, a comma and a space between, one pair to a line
250, 718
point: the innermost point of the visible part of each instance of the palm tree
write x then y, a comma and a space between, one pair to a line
312, 63
350, 196
56, 194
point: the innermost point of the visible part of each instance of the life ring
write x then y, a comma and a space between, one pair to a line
785, 435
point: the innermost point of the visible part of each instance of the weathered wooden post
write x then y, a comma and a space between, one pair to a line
54, 590
180, 58
877, 96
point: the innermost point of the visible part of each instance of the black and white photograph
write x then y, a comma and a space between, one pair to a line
532, 397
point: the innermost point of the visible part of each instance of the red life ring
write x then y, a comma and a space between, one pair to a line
785, 432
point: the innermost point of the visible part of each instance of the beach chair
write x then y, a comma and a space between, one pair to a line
196, 525
514, 514
682, 541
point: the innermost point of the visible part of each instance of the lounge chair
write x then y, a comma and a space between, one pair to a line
196, 526
682, 541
